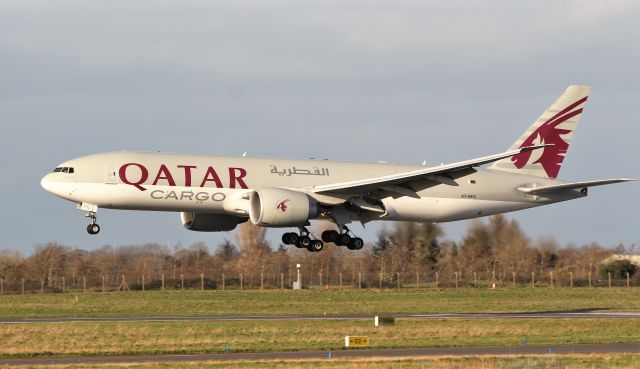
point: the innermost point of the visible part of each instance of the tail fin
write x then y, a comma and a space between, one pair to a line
555, 126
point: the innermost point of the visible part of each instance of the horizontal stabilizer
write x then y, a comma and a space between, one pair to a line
571, 186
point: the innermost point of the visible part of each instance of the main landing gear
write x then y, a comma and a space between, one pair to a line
93, 228
343, 239
302, 240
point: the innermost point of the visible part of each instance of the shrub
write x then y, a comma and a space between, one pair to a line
618, 269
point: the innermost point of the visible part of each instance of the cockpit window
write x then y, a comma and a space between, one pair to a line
64, 170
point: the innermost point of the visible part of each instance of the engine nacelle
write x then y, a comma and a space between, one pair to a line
209, 222
279, 207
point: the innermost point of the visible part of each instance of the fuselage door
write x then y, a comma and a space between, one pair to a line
110, 174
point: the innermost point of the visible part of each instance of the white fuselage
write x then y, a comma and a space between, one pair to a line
209, 184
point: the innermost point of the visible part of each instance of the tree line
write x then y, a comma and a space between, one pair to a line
494, 252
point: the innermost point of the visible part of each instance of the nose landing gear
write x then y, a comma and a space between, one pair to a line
93, 228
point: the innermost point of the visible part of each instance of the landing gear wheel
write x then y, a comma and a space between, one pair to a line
289, 238
330, 236
356, 244
93, 229
343, 239
315, 246
304, 242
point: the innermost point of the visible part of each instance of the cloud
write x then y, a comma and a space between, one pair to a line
400, 81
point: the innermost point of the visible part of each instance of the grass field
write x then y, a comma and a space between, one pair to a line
109, 338
609, 361
289, 302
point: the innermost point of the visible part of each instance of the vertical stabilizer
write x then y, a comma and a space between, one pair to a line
554, 127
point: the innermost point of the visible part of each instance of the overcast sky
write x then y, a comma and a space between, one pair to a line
400, 81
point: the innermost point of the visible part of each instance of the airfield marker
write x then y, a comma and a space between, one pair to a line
628, 284
570, 279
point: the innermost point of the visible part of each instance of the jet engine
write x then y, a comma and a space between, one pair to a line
209, 222
279, 207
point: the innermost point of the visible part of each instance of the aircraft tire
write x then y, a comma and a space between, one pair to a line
316, 246
93, 229
356, 244
304, 242
343, 240
330, 236
289, 238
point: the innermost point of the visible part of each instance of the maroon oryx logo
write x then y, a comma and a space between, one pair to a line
549, 133
283, 206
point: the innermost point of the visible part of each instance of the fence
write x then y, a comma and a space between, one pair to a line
355, 279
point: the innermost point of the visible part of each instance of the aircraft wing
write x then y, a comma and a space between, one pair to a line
572, 186
397, 182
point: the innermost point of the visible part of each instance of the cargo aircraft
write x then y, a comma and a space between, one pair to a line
216, 193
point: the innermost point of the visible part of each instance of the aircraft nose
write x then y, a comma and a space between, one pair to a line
46, 182
58, 186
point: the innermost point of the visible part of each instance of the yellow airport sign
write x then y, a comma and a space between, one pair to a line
356, 341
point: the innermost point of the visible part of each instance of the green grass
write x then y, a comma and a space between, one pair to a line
289, 302
118, 338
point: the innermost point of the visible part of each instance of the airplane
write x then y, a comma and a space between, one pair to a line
216, 193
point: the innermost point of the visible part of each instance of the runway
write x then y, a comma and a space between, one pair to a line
446, 351
538, 315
